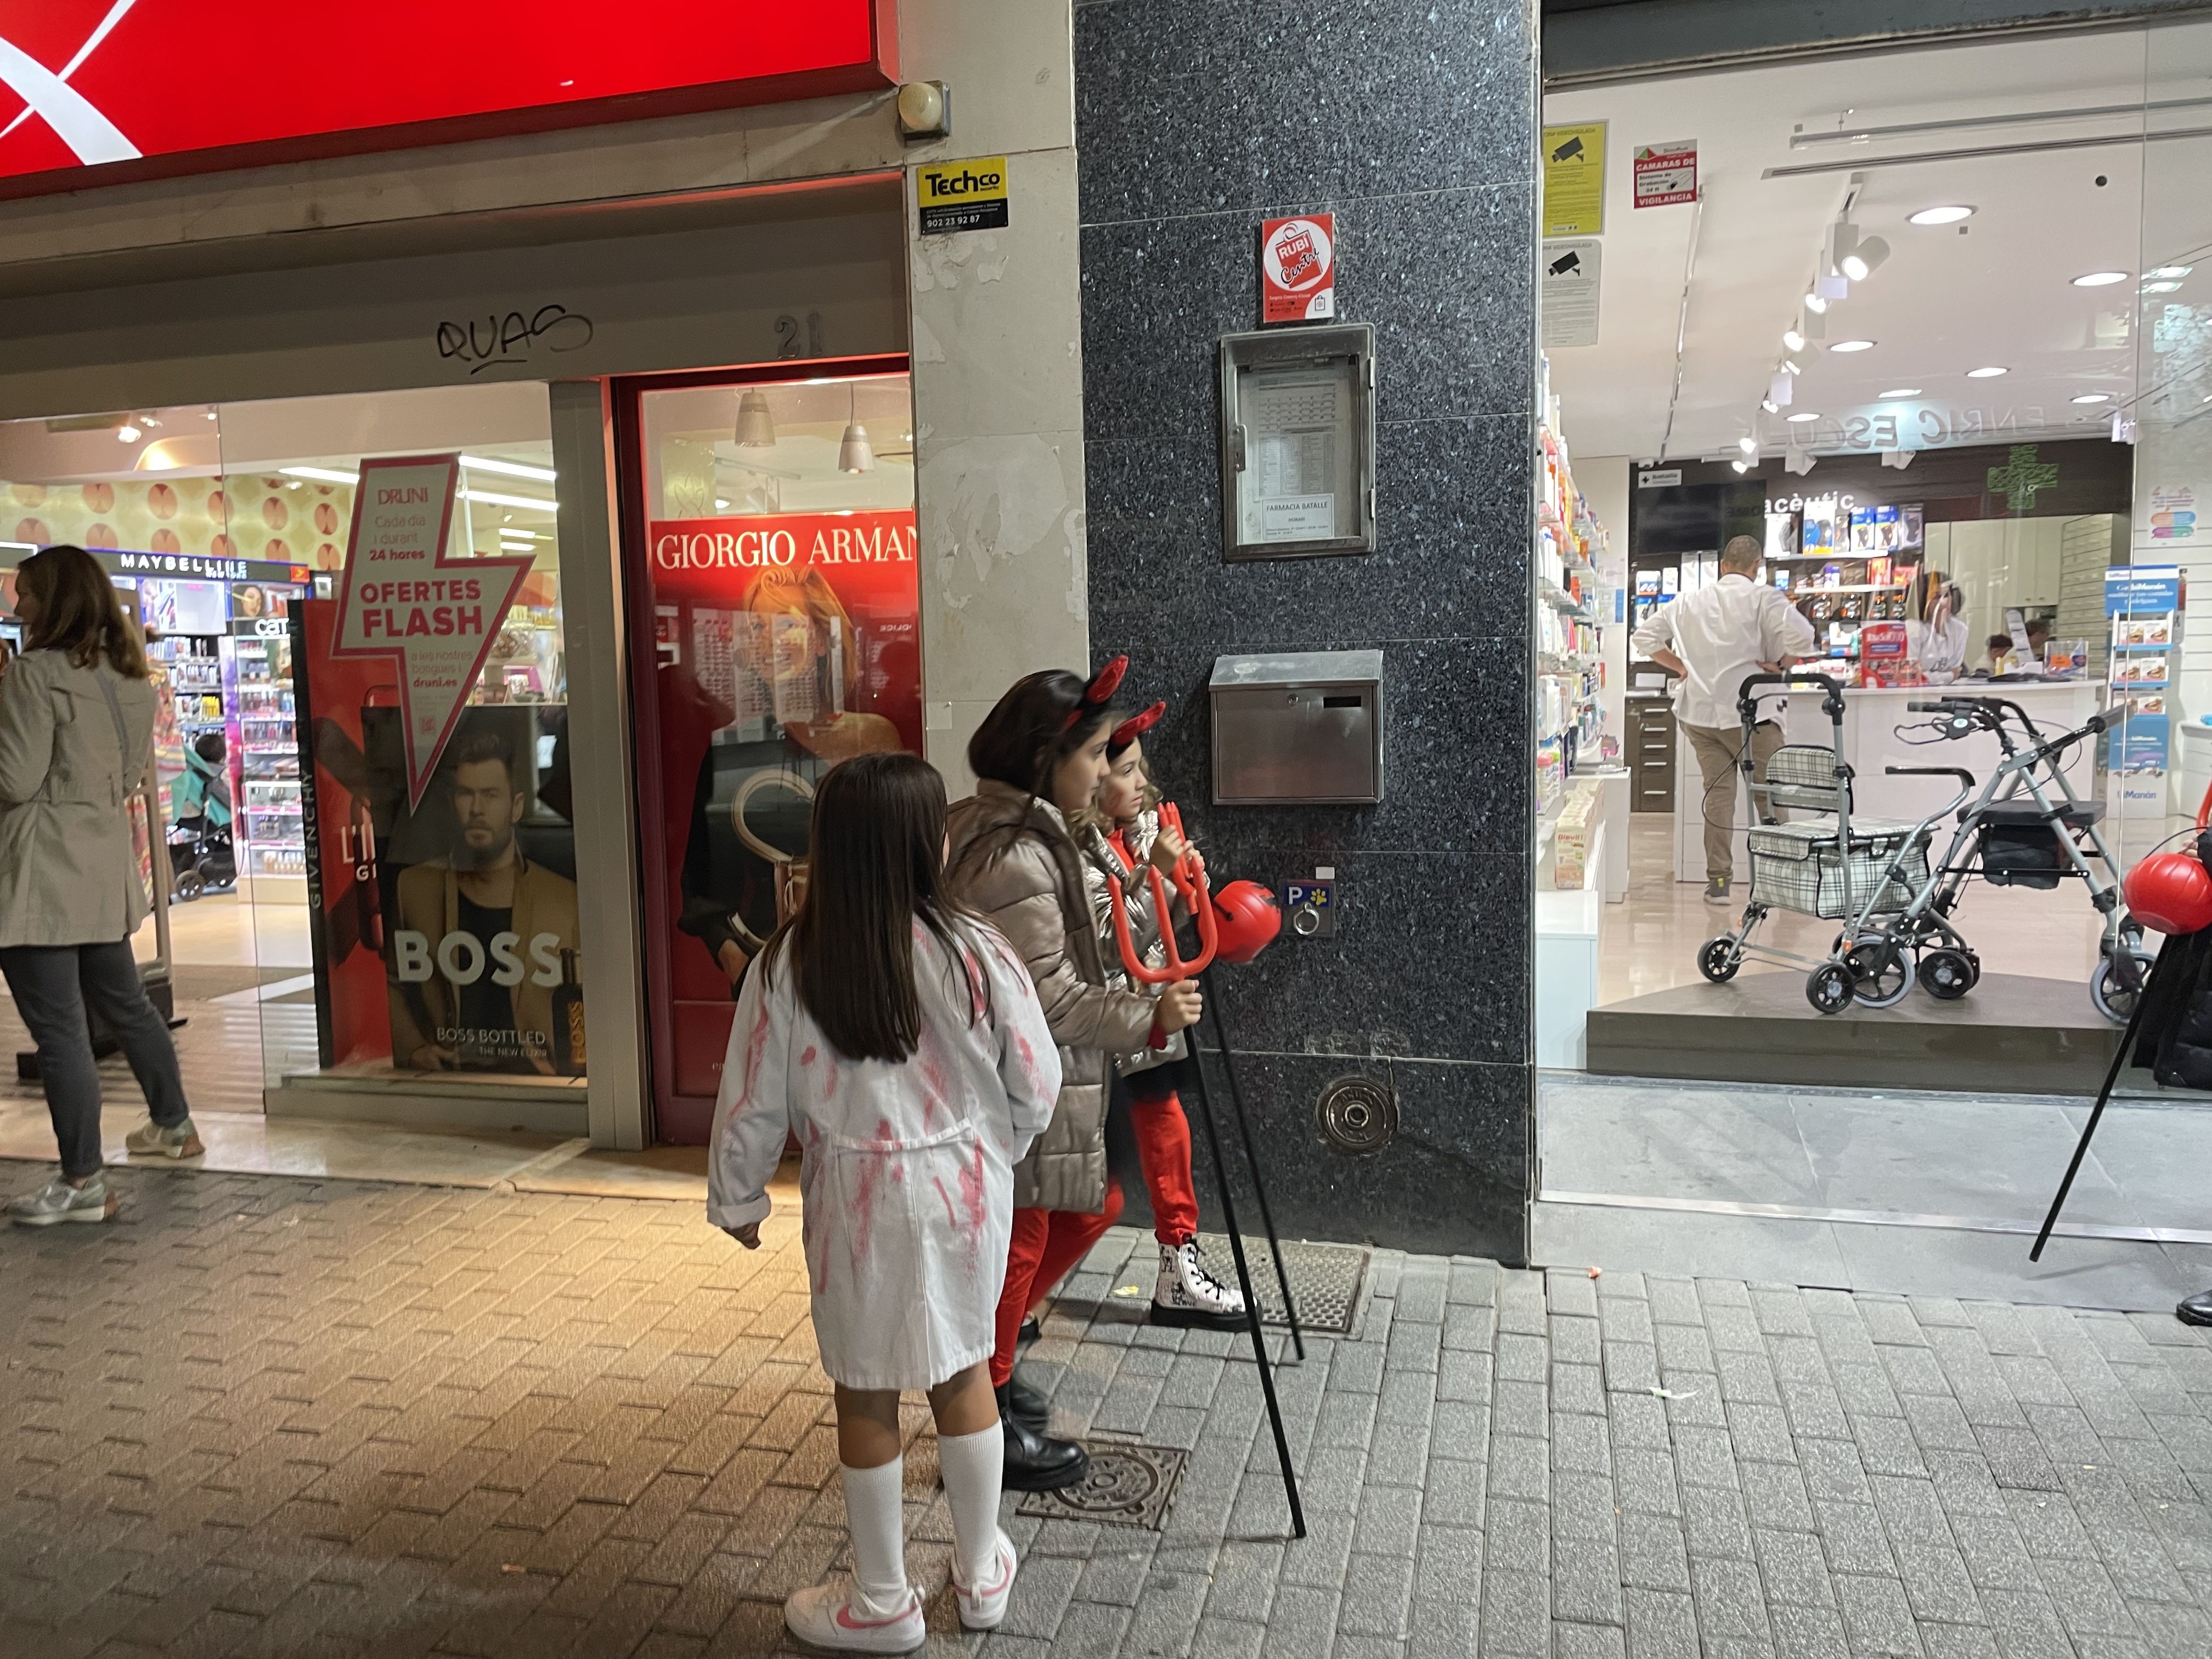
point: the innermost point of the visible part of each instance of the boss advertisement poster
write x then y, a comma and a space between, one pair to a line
441, 860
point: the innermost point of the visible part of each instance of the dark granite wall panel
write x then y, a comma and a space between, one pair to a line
1413, 121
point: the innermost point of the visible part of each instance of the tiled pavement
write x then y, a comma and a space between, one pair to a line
261, 1417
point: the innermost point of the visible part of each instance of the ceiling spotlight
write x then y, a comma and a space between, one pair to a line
2093, 397
1852, 345
2100, 279
1769, 405
854, 453
1941, 216
1863, 261
1899, 459
1816, 301
1804, 415
755, 425
2170, 273
1793, 340
1990, 374
1749, 446
1797, 461
1789, 366
1900, 391
2164, 286
1740, 466
128, 434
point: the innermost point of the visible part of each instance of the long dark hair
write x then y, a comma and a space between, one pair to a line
78, 611
1027, 735
876, 862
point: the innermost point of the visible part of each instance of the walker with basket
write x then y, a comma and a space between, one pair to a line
2026, 827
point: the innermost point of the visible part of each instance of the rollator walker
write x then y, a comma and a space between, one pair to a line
2025, 827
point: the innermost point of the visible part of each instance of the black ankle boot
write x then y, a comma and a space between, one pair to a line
1027, 1405
1037, 1462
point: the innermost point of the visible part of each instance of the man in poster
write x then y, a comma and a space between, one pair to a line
484, 950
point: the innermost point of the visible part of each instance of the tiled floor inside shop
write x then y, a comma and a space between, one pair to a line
261, 1416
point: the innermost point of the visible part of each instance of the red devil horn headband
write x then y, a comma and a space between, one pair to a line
1135, 726
1100, 692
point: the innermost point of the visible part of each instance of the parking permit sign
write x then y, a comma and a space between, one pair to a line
1298, 269
1666, 174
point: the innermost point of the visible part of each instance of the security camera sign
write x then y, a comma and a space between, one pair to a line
1298, 269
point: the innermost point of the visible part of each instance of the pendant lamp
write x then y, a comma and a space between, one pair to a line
853, 452
755, 425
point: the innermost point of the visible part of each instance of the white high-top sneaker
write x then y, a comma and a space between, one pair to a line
1186, 1294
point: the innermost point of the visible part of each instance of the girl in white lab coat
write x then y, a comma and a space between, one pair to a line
901, 1042
1937, 633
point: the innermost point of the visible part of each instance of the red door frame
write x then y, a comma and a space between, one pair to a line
628, 396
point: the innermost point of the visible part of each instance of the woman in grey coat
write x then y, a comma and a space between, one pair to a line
77, 726
1040, 756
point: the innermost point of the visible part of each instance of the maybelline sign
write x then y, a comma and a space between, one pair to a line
99, 91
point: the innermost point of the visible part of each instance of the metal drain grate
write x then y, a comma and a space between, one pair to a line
1128, 1486
1324, 1278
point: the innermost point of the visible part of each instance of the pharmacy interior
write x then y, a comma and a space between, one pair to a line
1928, 354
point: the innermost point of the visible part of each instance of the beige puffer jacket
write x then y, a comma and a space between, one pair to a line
1013, 860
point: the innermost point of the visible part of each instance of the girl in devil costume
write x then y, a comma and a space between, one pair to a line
1040, 756
901, 1040
1120, 834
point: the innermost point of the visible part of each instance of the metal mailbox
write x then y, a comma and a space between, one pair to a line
1299, 728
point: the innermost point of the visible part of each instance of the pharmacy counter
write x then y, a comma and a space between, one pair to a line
1873, 739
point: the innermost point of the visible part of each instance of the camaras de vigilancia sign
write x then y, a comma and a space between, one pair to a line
93, 91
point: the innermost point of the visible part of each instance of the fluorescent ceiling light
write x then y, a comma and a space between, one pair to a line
486, 497
320, 474
1804, 415
1852, 345
512, 469
509, 534
2168, 273
1793, 340
2100, 279
2165, 287
1990, 374
2093, 397
1941, 216
1900, 391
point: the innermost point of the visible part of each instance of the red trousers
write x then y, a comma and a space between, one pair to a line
1046, 1245
1163, 1150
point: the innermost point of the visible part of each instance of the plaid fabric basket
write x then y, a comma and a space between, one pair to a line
1798, 866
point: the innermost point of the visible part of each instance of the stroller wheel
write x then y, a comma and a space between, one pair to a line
1881, 977
1717, 959
1947, 975
1829, 988
190, 885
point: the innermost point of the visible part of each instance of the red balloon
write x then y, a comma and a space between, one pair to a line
2170, 893
1249, 918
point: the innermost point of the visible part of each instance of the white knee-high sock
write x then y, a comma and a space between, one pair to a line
874, 1515
974, 1466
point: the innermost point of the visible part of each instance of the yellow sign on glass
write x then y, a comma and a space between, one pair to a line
1574, 180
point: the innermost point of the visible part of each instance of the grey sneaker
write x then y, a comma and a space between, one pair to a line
151, 1139
58, 1201
1716, 890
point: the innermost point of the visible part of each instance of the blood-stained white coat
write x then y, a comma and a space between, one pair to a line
907, 1180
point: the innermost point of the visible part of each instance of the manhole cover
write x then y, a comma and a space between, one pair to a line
1128, 1486
1325, 1278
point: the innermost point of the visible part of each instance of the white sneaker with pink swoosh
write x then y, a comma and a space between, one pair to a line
983, 1606
839, 1616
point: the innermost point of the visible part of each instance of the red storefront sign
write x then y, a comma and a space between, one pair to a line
100, 91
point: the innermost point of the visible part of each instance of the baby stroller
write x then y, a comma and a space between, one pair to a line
1864, 873
201, 857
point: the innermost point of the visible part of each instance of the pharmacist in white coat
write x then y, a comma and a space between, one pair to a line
1711, 639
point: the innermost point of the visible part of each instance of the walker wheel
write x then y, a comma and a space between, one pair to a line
1719, 958
2115, 1002
1947, 975
1829, 988
1880, 974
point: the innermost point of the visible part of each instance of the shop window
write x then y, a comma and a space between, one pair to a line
771, 555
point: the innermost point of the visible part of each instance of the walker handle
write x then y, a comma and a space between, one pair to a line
1191, 885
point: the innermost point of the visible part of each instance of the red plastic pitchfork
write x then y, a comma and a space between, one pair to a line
1190, 882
